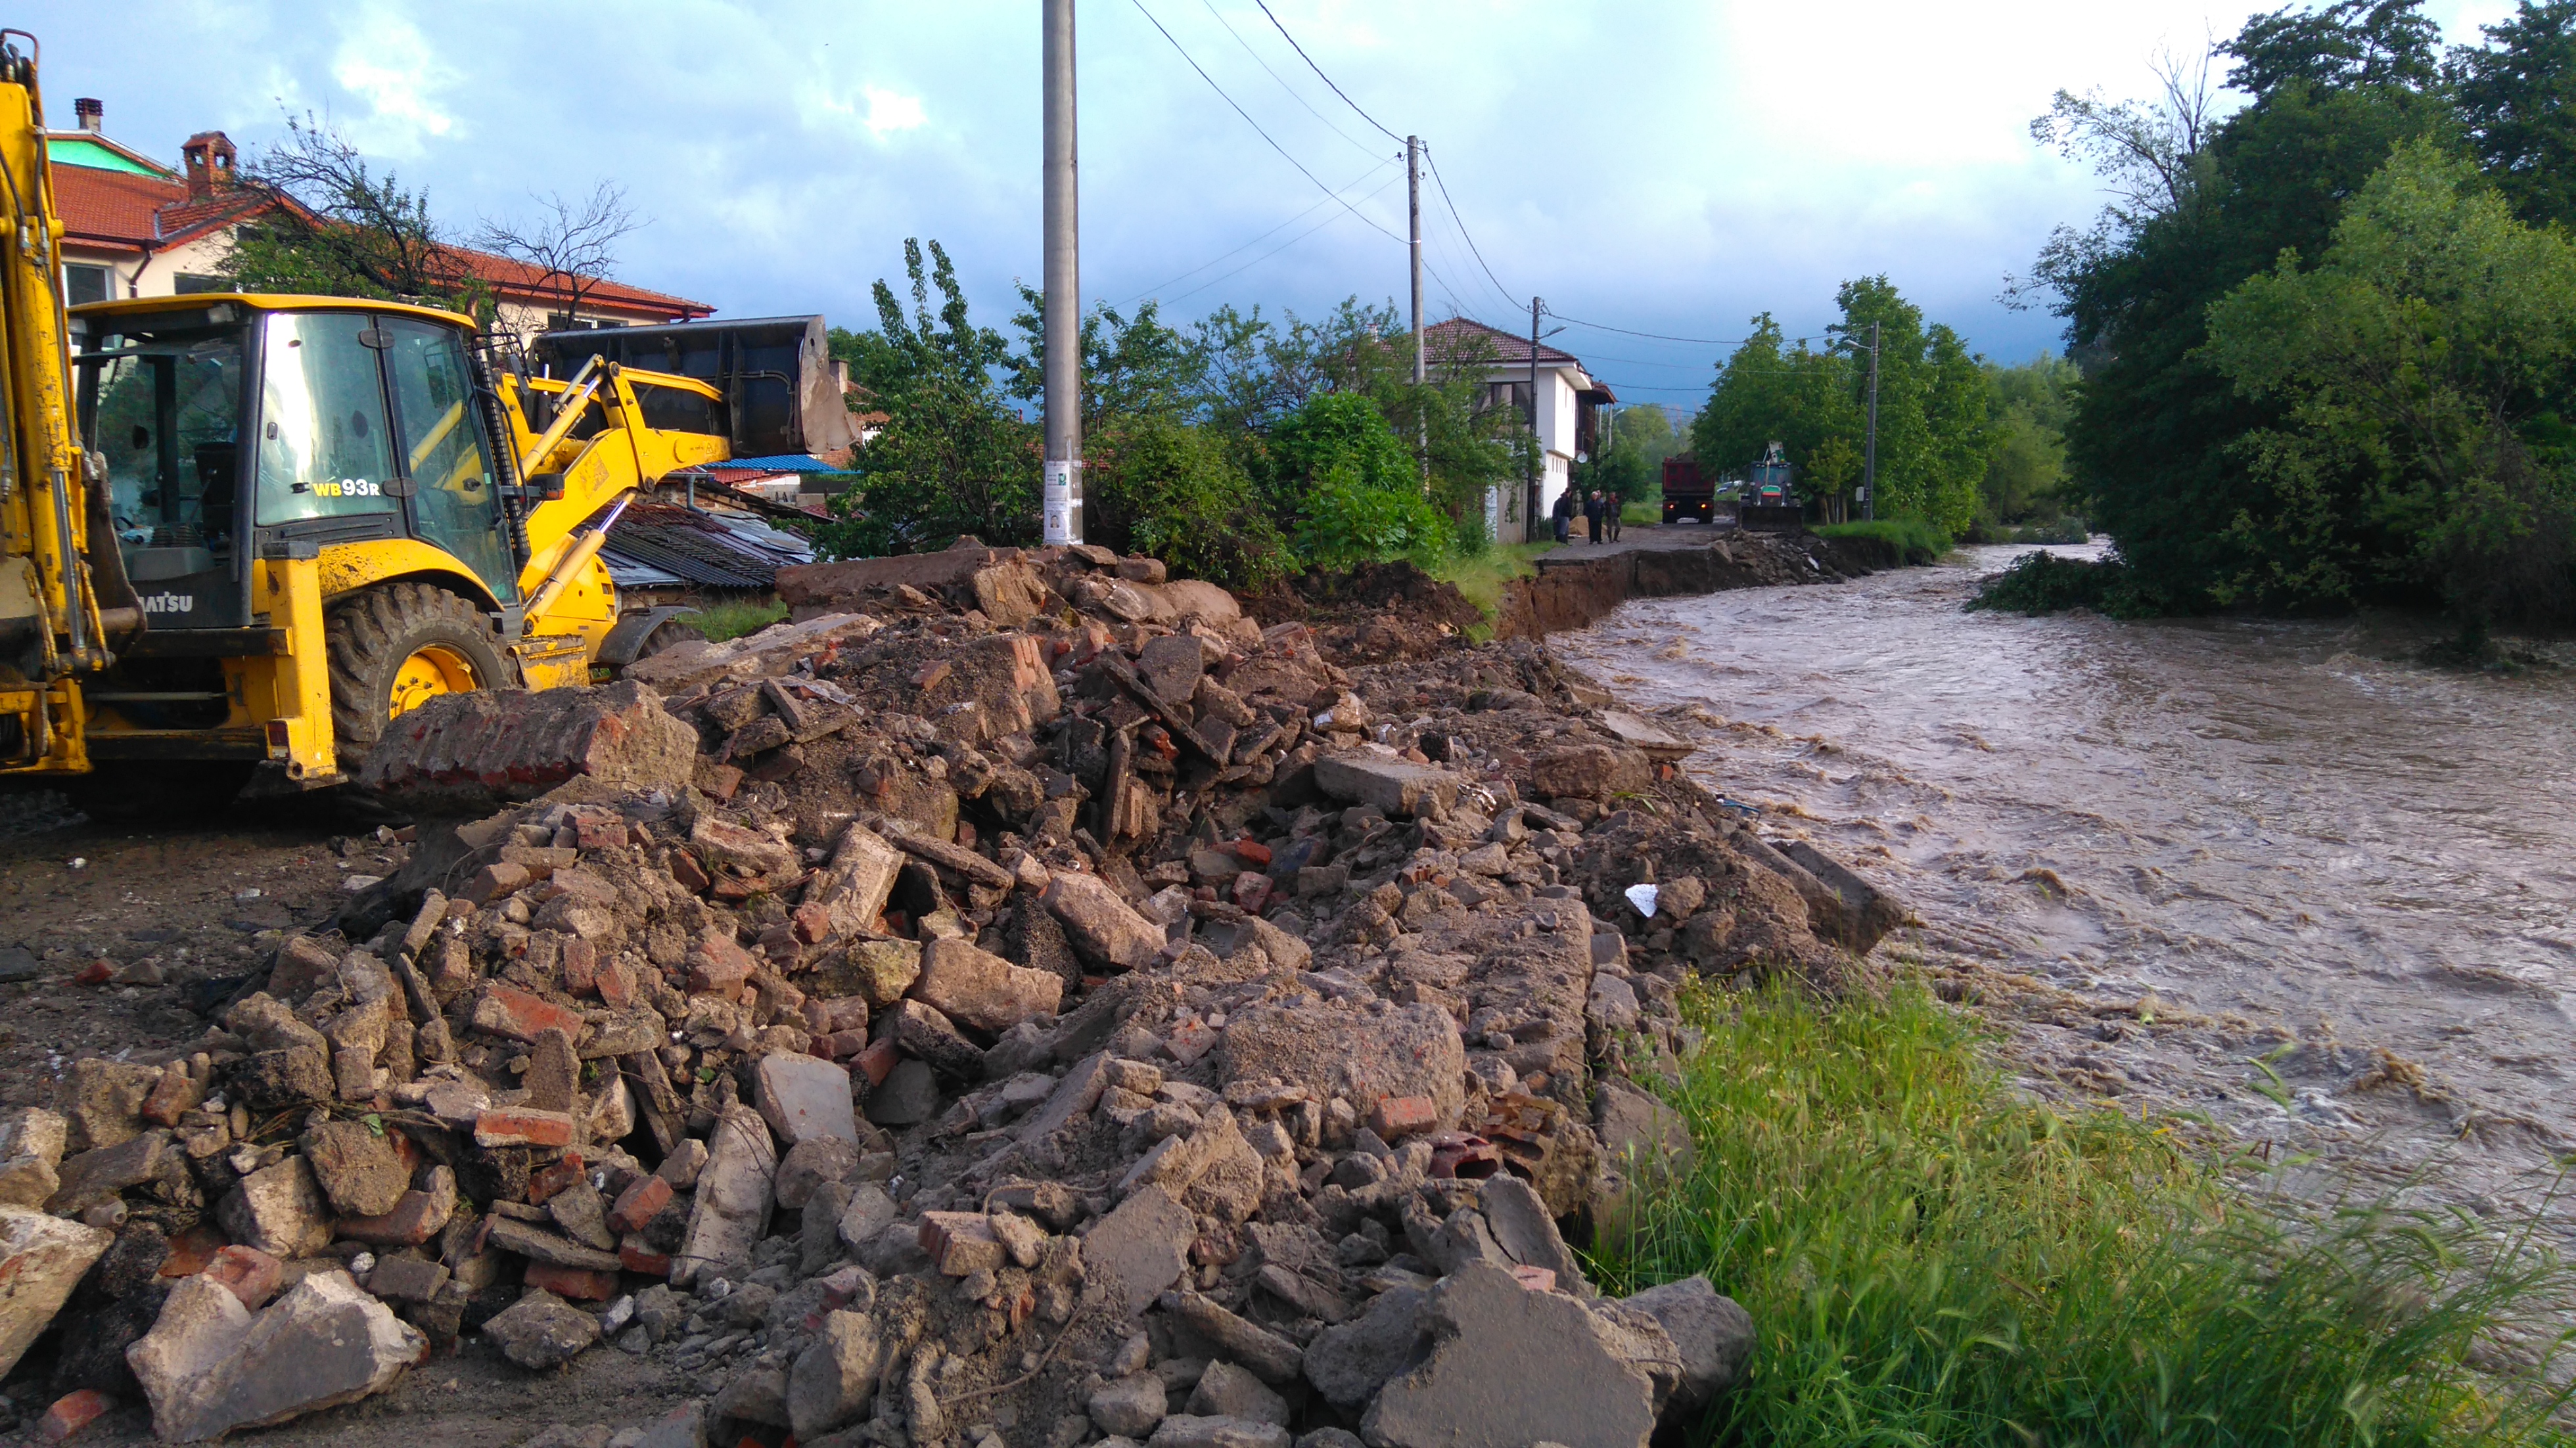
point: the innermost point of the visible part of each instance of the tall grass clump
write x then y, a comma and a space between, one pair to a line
1930, 1259
1914, 540
734, 618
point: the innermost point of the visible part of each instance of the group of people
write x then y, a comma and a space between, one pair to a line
1600, 516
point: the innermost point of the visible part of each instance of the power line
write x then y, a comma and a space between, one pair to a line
1462, 225
1283, 82
1265, 236
1274, 251
1256, 125
1656, 336
1319, 71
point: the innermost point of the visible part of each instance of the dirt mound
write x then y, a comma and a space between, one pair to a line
1375, 613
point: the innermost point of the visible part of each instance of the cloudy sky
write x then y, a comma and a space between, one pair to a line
1660, 167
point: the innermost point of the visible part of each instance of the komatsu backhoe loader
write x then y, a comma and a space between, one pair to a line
248, 531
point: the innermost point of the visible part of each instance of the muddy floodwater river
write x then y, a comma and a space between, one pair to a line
2334, 888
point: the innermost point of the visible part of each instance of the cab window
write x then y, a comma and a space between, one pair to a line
324, 448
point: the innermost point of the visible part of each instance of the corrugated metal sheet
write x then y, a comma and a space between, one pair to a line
658, 545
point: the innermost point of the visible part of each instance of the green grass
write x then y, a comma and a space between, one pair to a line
733, 619
1649, 511
1914, 540
1482, 574
1930, 1259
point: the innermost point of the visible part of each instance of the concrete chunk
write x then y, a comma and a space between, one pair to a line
1099, 924
42, 1259
731, 1212
279, 1210
835, 1378
210, 1367
983, 990
542, 1331
474, 752
1394, 786
1353, 1054
1513, 1366
1140, 1249
804, 1098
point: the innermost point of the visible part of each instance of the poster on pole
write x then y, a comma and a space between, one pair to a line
1063, 518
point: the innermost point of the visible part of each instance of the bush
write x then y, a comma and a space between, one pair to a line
1931, 1258
1161, 487
2037, 583
1914, 540
1347, 520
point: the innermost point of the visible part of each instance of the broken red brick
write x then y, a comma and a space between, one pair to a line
686, 869
718, 967
563, 1173
638, 1255
520, 1126
496, 880
1252, 890
960, 1244
252, 1274
521, 1015
577, 1283
616, 985
1395, 1117
1536, 1279
1251, 852
74, 1411
639, 1204
580, 966
175, 1092
841, 1045
812, 922
878, 1062
94, 973
599, 832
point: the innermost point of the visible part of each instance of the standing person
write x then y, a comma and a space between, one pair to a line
1610, 506
1592, 515
1563, 512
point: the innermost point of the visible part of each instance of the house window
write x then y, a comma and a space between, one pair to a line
1514, 395
186, 283
85, 283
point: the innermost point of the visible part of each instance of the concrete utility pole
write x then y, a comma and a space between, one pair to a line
1063, 283
1413, 208
1529, 518
1869, 450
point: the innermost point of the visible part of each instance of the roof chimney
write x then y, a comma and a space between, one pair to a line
209, 155
90, 113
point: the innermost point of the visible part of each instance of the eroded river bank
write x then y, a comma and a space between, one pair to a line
2273, 873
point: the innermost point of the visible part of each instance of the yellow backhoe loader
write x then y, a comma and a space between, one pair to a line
247, 531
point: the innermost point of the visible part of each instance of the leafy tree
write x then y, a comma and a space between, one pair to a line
2153, 438
955, 457
344, 229
2517, 98
1358, 490
2426, 362
2029, 407
1768, 393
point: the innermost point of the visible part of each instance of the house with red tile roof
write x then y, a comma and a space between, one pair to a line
1569, 402
134, 227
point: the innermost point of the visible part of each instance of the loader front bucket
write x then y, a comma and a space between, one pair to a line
775, 372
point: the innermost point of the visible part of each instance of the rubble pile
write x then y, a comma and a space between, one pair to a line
1021, 1000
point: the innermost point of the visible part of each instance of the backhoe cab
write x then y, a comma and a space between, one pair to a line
326, 512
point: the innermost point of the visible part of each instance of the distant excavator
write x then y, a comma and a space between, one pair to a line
242, 533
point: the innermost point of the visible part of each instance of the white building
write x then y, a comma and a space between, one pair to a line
1569, 401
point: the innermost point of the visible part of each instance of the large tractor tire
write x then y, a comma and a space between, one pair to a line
667, 635
394, 648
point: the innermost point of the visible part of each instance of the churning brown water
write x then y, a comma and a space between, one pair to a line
2352, 863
